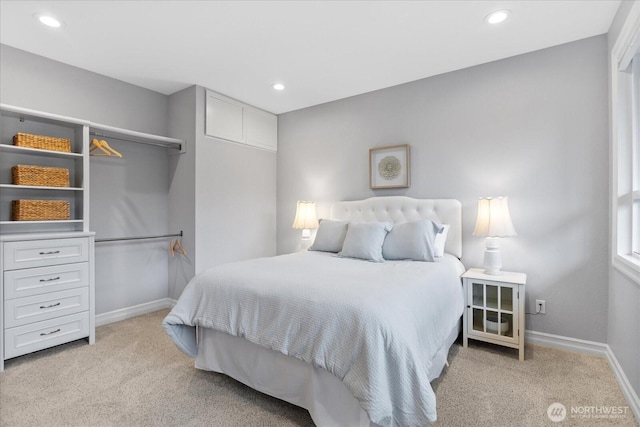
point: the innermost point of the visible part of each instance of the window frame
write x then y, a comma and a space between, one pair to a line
625, 138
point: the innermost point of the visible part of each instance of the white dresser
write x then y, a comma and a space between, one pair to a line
47, 291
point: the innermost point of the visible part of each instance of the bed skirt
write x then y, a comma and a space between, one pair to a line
327, 399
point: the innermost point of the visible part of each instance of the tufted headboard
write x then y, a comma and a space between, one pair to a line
398, 209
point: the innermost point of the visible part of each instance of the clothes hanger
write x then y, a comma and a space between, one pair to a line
180, 247
103, 146
175, 247
106, 145
97, 145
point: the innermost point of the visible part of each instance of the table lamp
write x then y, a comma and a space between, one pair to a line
494, 221
305, 219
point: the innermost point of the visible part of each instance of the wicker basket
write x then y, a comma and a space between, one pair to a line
39, 175
42, 142
39, 210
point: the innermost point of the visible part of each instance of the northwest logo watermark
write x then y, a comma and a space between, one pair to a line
557, 412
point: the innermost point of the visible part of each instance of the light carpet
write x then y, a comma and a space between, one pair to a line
135, 376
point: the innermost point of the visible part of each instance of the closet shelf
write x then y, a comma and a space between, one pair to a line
110, 132
60, 221
15, 120
41, 117
38, 152
38, 187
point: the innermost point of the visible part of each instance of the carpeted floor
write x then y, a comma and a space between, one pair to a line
135, 376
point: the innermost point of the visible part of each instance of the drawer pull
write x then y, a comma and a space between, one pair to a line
50, 280
49, 306
49, 333
50, 253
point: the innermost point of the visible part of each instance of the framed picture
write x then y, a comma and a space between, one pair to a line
389, 167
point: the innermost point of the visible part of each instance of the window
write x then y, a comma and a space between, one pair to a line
625, 139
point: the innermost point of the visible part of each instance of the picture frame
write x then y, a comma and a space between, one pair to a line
389, 167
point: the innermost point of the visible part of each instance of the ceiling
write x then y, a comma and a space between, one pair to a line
320, 50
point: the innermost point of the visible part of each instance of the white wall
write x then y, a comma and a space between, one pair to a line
624, 294
532, 127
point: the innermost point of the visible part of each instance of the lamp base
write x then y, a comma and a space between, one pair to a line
306, 234
492, 257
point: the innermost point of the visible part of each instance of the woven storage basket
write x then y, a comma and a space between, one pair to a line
42, 142
39, 175
39, 210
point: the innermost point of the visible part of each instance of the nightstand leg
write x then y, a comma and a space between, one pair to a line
521, 353
465, 337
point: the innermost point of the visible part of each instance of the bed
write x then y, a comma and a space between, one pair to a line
354, 342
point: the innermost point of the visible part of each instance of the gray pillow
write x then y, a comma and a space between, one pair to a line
412, 240
330, 236
364, 240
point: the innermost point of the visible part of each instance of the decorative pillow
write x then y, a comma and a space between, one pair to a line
364, 240
330, 236
412, 240
441, 239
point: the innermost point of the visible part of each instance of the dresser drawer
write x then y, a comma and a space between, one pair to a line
20, 311
40, 253
35, 281
37, 336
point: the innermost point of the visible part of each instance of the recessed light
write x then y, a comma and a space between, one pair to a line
278, 86
498, 16
48, 20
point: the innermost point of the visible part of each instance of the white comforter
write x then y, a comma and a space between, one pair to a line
376, 326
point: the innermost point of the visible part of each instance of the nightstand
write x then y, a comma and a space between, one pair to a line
494, 308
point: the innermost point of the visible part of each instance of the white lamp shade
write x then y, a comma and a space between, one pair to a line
305, 216
494, 219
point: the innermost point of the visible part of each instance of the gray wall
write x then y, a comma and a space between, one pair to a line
222, 193
182, 190
129, 196
35, 82
624, 294
235, 198
532, 127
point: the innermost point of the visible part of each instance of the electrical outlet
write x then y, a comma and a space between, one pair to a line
541, 306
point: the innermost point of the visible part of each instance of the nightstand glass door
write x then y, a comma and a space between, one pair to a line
492, 306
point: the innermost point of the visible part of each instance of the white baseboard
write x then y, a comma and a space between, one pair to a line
625, 385
592, 348
565, 343
133, 311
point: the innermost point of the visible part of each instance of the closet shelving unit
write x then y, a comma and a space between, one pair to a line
80, 132
47, 267
16, 119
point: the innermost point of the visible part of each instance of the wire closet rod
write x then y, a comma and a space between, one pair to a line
137, 141
117, 239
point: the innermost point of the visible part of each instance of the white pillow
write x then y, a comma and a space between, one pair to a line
364, 240
412, 240
330, 236
441, 239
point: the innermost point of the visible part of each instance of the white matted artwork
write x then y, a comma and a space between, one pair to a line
389, 167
